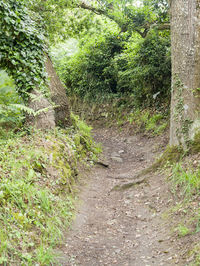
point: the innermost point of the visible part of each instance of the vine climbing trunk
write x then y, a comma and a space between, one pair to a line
185, 99
58, 95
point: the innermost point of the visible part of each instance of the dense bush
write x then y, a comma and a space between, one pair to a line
118, 64
91, 72
147, 69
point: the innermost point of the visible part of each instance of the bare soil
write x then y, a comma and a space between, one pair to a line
124, 228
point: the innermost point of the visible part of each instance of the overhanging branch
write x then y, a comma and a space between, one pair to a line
142, 31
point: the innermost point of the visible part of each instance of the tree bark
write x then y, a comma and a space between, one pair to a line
51, 115
58, 95
185, 97
46, 118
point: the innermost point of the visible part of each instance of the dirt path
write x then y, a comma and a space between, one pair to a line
122, 228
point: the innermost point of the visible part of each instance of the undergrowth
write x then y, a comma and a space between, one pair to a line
38, 172
120, 112
10, 102
185, 186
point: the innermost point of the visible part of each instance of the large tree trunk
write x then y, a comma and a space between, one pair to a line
51, 115
45, 119
58, 95
185, 102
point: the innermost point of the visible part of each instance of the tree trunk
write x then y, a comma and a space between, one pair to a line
58, 95
45, 119
185, 100
50, 116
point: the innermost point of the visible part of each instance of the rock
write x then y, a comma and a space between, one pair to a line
117, 159
115, 154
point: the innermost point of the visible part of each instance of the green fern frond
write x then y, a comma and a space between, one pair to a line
24, 108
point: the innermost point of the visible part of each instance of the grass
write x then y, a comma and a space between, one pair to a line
148, 122
186, 181
182, 230
185, 186
121, 113
38, 172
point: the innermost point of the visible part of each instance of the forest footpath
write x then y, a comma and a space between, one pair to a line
124, 227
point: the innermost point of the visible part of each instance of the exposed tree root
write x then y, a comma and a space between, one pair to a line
171, 154
135, 178
130, 184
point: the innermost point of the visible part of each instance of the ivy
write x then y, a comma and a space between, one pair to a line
183, 123
22, 47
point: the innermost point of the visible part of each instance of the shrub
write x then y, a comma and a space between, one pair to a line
10, 102
117, 64
147, 73
91, 72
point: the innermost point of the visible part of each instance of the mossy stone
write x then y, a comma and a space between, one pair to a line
195, 144
172, 154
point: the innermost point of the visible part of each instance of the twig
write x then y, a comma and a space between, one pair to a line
102, 164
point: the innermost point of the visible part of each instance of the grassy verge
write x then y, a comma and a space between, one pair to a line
184, 178
121, 113
38, 172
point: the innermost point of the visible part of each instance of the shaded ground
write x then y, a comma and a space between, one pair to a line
123, 228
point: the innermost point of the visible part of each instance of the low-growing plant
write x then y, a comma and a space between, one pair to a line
187, 182
195, 144
171, 155
182, 230
154, 123
84, 139
10, 113
194, 254
38, 173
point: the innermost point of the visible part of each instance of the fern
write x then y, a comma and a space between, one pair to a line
12, 108
23, 108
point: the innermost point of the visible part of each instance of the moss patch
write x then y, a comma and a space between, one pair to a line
195, 144
172, 154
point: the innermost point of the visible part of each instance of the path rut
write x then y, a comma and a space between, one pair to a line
122, 228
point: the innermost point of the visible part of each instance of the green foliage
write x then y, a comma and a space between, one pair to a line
130, 15
187, 181
160, 8
10, 113
147, 69
21, 46
114, 64
51, 16
195, 144
154, 123
185, 185
38, 173
83, 139
90, 72
183, 230
80, 125
12, 108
